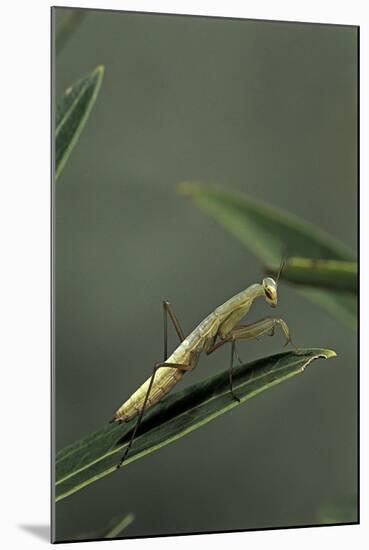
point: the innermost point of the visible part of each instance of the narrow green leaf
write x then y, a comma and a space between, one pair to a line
343, 511
271, 233
67, 27
114, 528
326, 274
97, 455
72, 113
120, 526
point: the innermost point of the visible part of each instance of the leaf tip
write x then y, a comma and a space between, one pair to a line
329, 353
320, 354
186, 189
99, 71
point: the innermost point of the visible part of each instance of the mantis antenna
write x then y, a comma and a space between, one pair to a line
281, 266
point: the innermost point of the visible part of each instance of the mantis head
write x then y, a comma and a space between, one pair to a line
270, 291
270, 287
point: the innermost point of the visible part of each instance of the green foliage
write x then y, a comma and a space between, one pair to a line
326, 274
72, 112
119, 526
114, 529
270, 234
68, 25
345, 511
97, 455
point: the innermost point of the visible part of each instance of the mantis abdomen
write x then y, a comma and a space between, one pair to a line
187, 353
165, 379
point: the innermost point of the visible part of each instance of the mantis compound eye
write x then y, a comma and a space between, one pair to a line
270, 290
268, 294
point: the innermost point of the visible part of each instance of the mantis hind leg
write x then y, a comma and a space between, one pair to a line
157, 366
168, 310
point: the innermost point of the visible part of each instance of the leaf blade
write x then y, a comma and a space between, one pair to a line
120, 526
67, 27
337, 274
269, 232
72, 112
96, 456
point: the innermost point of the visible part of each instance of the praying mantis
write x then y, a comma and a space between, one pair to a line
218, 328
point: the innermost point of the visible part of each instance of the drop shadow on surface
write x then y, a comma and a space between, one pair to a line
40, 531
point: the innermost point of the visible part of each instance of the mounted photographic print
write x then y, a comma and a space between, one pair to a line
205, 184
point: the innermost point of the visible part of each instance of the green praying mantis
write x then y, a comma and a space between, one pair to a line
218, 328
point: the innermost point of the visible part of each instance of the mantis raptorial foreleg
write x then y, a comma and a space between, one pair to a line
260, 328
248, 332
254, 330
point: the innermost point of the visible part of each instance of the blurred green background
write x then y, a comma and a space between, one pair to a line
266, 108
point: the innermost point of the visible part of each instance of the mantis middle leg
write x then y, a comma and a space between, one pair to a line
249, 332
